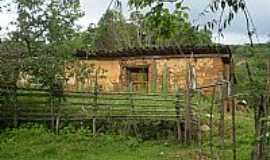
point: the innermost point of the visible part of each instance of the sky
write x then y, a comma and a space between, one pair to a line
234, 34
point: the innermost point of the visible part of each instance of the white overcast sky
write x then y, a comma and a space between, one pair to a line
235, 34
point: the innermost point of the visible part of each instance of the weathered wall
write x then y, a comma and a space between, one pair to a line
108, 78
208, 71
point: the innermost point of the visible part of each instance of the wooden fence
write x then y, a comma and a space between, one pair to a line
39, 105
36, 104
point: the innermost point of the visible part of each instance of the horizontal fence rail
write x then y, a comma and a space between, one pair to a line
38, 104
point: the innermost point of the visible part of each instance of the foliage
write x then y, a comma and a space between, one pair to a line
159, 26
226, 9
251, 70
112, 32
163, 26
46, 31
252, 77
88, 37
32, 141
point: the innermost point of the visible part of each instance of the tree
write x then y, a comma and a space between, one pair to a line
113, 32
175, 28
46, 33
88, 37
46, 30
225, 8
165, 28
161, 26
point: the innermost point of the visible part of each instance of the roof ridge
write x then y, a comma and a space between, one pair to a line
153, 50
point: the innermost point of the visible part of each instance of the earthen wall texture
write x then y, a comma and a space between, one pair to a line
208, 70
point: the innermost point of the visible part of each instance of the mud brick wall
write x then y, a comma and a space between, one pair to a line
208, 70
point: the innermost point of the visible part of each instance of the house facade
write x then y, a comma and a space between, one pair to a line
152, 69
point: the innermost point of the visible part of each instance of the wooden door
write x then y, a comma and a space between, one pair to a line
138, 79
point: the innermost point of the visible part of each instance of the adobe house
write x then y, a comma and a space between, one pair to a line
153, 68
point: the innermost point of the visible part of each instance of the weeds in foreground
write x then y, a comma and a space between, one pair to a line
31, 142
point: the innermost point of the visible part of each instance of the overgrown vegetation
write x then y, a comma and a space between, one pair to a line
36, 142
252, 68
46, 35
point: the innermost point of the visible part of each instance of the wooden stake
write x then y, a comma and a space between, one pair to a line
57, 124
15, 120
95, 104
15, 107
178, 118
131, 107
200, 141
233, 130
52, 112
232, 70
188, 108
94, 126
222, 115
211, 123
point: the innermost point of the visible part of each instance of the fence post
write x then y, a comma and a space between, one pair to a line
222, 115
211, 123
200, 140
95, 105
233, 129
15, 120
267, 147
200, 137
52, 110
178, 117
188, 113
57, 124
110, 118
132, 110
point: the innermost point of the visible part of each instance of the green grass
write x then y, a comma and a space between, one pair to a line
31, 143
38, 143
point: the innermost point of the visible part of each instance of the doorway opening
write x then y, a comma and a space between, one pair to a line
138, 78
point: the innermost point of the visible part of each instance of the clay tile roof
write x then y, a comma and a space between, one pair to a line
221, 50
